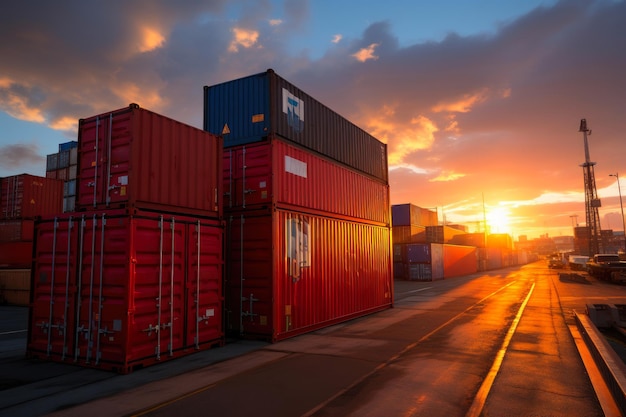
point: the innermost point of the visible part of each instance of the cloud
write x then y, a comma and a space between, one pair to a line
243, 37
365, 54
494, 113
14, 156
337, 38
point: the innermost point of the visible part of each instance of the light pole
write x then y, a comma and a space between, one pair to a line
619, 190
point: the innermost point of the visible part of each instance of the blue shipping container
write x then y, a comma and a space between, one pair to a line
68, 145
256, 107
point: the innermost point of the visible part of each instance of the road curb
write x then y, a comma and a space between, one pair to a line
611, 367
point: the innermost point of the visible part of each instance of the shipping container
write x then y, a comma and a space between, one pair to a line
133, 157
69, 188
15, 287
276, 173
408, 234
500, 240
27, 196
412, 215
120, 290
68, 145
441, 234
459, 260
52, 162
259, 106
69, 204
16, 230
469, 239
16, 255
294, 272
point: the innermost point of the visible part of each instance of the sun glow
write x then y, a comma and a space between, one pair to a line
498, 220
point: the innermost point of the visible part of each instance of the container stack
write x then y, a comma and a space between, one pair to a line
22, 199
306, 209
134, 275
63, 165
422, 250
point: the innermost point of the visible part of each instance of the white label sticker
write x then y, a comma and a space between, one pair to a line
295, 166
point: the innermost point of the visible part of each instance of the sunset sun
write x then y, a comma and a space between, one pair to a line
498, 220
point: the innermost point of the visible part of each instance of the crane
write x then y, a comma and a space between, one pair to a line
592, 202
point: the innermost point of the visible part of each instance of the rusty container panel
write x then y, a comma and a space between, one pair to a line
276, 173
27, 196
52, 309
133, 157
252, 108
459, 260
136, 281
294, 272
15, 284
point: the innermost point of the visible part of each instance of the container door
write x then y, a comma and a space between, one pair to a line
249, 277
52, 289
204, 284
252, 176
105, 155
131, 281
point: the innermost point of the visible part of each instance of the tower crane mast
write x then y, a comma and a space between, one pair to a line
592, 202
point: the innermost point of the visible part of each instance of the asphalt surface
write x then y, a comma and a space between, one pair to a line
311, 369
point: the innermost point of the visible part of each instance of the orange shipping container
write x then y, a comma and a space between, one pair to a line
27, 196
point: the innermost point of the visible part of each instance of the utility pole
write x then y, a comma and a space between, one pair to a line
621, 206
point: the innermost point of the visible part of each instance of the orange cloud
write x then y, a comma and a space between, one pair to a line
244, 38
461, 105
132, 93
17, 107
64, 123
150, 39
402, 139
275, 22
366, 53
447, 176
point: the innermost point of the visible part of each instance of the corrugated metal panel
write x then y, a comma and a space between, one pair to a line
418, 253
15, 284
261, 105
437, 261
136, 158
412, 215
128, 290
16, 254
68, 145
28, 196
291, 273
16, 230
459, 260
277, 173
409, 234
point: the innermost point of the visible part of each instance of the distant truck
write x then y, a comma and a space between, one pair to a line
607, 267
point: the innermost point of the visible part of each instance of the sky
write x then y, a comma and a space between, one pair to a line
479, 102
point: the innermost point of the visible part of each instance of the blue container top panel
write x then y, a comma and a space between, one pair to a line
238, 110
68, 145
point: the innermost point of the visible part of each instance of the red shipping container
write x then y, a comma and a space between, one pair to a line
276, 173
27, 196
16, 255
459, 260
133, 157
293, 272
17, 230
127, 289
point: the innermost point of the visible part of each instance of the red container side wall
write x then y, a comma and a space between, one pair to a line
278, 173
325, 270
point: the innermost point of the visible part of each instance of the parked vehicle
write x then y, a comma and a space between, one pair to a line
606, 267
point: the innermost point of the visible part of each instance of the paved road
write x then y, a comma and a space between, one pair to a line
494, 344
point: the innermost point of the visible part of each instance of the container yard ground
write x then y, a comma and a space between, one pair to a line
34, 387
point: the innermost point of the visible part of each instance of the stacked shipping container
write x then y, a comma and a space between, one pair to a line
135, 275
63, 166
307, 209
23, 198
